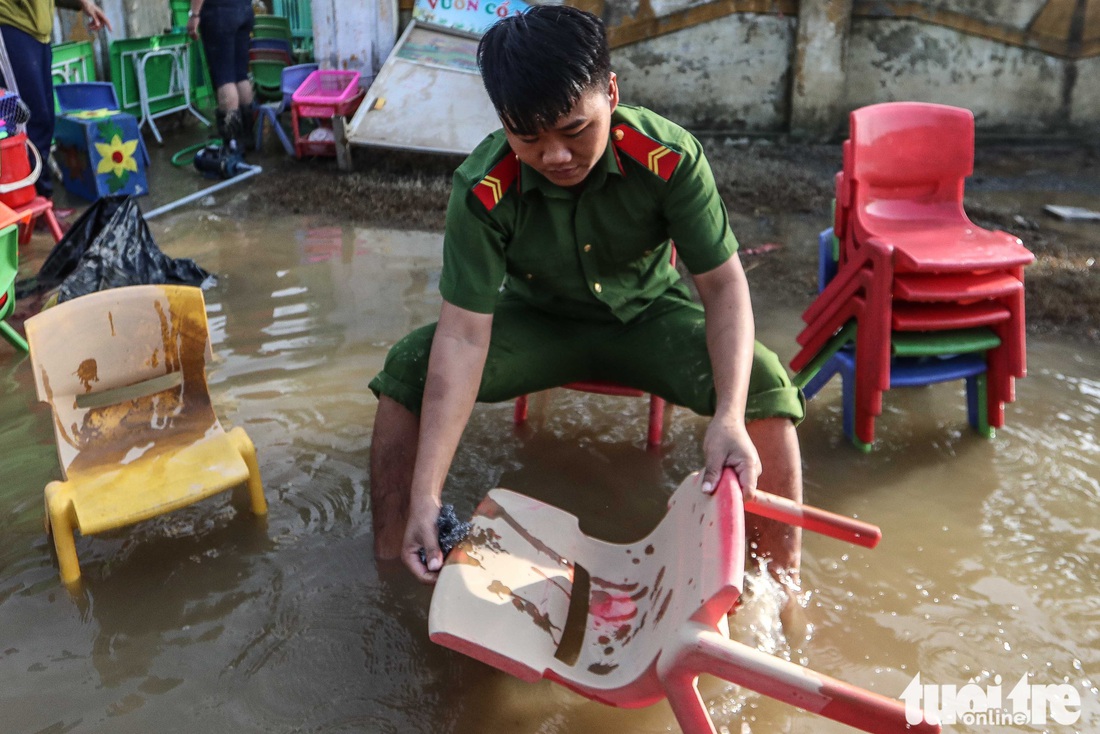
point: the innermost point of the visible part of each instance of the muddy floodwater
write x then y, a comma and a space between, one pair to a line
210, 621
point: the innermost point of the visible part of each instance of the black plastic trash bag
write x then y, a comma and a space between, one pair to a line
108, 247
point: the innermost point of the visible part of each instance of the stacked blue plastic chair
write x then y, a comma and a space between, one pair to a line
292, 78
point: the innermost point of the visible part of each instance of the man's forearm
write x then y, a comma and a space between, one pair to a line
454, 376
730, 333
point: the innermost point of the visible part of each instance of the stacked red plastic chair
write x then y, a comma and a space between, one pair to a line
909, 260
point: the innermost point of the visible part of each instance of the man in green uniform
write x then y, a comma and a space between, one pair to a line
573, 206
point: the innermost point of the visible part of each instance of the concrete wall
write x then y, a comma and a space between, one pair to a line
1010, 90
730, 74
1025, 67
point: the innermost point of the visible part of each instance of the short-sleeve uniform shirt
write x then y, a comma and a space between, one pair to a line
602, 253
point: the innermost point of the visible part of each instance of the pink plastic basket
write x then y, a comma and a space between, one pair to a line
325, 92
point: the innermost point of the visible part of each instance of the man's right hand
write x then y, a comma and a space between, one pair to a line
421, 531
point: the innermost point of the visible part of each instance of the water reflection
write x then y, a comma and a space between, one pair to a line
205, 621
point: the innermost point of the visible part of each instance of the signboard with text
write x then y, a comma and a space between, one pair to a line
472, 16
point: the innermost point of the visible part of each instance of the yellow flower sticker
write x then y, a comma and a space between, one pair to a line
116, 156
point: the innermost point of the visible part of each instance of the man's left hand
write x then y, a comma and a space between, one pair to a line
727, 443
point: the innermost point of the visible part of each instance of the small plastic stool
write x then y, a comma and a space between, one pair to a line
37, 207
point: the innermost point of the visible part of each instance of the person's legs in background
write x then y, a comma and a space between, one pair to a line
31, 61
226, 31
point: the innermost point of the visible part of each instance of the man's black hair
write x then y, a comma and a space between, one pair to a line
537, 64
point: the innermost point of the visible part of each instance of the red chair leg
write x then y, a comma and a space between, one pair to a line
519, 417
54, 225
656, 421
26, 230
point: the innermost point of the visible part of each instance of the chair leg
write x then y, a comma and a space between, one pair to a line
282, 136
821, 374
255, 485
856, 418
977, 411
59, 511
519, 417
798, 686
8, 332
54, 225
656, 421
25, 231
687, 705
258, 132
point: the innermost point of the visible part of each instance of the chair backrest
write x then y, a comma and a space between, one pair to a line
85, 96
911, 149
293, 76
271, 21
262, 31
513, 595
267, 73
271, 44
273, 54
122, 368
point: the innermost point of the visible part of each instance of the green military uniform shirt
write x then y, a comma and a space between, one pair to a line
602, 253
561, 271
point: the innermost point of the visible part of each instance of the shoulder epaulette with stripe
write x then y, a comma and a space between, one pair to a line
657, 157
491, 189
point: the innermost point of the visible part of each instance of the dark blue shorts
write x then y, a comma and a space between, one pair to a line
226, 30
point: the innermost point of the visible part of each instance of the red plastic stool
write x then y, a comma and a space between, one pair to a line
656, 406
37, 207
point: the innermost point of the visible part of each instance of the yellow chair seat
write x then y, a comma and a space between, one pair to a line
110, 497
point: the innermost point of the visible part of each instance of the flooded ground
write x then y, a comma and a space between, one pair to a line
211, 621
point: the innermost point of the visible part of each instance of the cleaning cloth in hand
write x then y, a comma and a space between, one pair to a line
452, 531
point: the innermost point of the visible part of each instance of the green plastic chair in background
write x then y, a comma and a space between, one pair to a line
9, 268
274, 23
271, 31
267, 77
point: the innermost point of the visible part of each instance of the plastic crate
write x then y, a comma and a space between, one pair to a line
327, 93
85, 96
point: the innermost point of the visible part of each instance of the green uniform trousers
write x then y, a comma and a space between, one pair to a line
662, 351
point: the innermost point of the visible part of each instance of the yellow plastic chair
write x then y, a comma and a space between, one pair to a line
124, 371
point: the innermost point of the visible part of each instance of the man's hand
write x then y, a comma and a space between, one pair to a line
727, 443
193, 27
96, 17
422, 532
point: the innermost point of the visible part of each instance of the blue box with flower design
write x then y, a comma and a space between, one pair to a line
100, 152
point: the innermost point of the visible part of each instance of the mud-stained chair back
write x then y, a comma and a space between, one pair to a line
124, 372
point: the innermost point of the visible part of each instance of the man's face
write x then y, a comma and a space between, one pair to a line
566, 151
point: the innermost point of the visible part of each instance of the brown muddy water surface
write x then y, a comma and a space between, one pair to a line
208, 620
